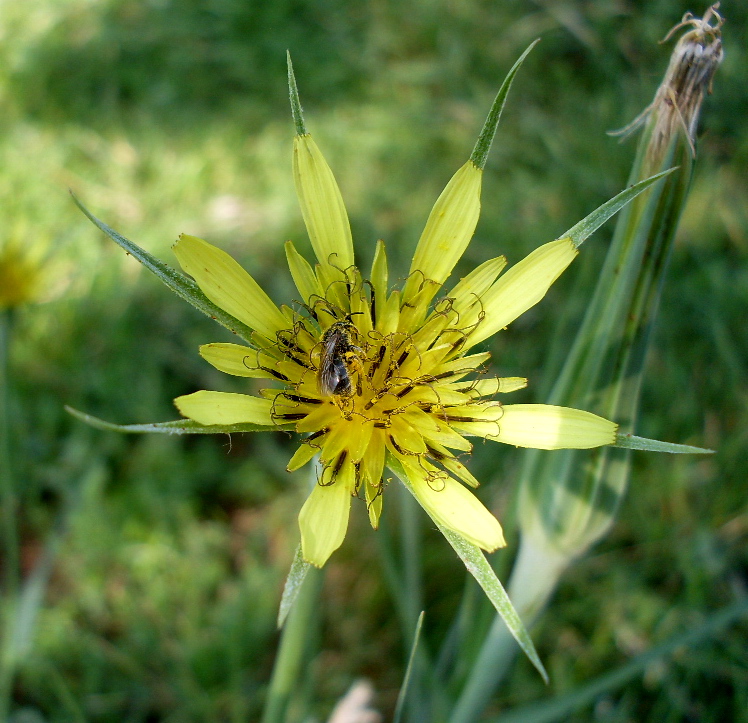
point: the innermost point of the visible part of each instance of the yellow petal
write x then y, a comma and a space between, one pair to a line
301, 456
379, 276
476, 283
302, 273
353, 436
542, 426
374, 498
228, 285
225, 408
449, 228
405, 438
523, 286
511, 384
321, 205
388, 315
323, 519
490, 386
455, 507
324, 416
373, 461
241, 361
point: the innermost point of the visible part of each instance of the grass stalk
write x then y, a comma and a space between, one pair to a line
11, 562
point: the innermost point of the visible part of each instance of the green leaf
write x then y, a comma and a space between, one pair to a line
299, 568
588, 225
476, 564
177, 426
485, 139
630, 441
180, 284
406, 679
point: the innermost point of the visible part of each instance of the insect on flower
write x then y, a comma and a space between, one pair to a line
339, 357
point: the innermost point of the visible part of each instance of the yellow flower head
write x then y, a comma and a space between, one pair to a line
368, 373
22, 274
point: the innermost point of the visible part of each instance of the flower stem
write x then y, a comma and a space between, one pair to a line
7, 486
293, 647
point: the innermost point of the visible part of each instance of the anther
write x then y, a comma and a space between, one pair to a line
276, 374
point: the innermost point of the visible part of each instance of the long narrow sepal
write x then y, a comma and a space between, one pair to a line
296, 575
476, 564
293, 93
589, 224
180, 284
176, 426
483, 144
630, 441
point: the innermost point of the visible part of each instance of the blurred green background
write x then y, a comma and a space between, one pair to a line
168, 555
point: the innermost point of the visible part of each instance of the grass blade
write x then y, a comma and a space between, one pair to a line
562, 707
406, 679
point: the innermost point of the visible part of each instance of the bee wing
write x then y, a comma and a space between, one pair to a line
328, 376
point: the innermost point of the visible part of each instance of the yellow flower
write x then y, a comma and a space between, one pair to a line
22, 274
32, 269
364, 371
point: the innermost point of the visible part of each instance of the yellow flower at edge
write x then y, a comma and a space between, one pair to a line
364, 372
23, 277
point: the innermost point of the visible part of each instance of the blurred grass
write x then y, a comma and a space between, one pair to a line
171, 116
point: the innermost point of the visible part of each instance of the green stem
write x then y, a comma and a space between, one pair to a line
7, 486
293, 647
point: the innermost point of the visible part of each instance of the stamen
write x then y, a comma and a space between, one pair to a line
300, 399
276, 374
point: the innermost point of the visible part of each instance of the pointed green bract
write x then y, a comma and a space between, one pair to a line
630, 441
296, 575
589, 224
293, 92
176, 427
181, 285
483, 144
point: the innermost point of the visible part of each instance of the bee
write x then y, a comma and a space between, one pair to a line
339, 357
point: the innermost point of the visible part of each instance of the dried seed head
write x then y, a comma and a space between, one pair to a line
678, 100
